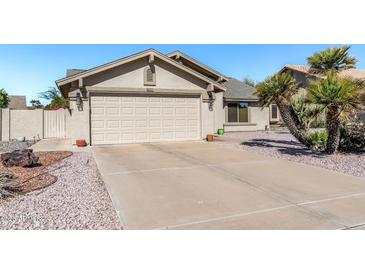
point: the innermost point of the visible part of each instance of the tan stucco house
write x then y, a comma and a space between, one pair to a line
152, 97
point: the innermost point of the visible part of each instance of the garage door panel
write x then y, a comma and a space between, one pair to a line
128, 119
127, 124
112, 99
181, 134
141, 124
98, 124
141, 110
112, 111
110, 124
168, 123
127, 110
168, 110
153, 123
155, 111
98, 110
112, 137
97, 99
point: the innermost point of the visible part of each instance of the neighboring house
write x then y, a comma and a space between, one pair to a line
303, 75
17, 102
151, 97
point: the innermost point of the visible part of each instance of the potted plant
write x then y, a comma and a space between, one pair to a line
81, 143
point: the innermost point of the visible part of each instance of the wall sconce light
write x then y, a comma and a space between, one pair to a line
79, 101
211, 100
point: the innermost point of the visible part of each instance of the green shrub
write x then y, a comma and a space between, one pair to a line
318, 140
4, 98
352, 138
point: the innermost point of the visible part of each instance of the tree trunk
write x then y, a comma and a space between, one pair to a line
292, 122
333, 129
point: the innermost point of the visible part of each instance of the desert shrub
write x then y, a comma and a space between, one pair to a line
318, 140
352, 138
309, 115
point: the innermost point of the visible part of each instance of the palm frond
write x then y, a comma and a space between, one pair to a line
275, 87
333, 91
332, 59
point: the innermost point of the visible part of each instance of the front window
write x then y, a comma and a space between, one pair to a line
274, 111
238, 112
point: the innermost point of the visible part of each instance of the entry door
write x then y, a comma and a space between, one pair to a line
138, 119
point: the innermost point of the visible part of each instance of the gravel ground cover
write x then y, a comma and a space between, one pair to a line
282, 145
77, 200
13, 145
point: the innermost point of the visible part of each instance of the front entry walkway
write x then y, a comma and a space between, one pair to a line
200, 185
56, 144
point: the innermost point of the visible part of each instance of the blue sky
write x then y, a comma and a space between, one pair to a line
30, 69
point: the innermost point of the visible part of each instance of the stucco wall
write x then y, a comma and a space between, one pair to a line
259, 119
79, 122
5, 124
207, 118
27, 123
31, 124
219, 115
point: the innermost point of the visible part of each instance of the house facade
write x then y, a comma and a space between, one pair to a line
152, 97
17, 102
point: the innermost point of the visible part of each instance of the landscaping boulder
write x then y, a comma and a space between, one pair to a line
20, 157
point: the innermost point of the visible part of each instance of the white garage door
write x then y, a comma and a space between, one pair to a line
138, 119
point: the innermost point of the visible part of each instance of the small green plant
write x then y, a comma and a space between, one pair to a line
5, 188
4, 98
318, 140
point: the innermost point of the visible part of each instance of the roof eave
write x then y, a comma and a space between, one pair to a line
196, 62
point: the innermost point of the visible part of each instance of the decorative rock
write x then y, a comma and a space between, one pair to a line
20, 157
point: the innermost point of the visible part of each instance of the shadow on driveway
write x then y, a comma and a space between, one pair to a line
285, 147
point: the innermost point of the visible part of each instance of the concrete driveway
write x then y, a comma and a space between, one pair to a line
200, 185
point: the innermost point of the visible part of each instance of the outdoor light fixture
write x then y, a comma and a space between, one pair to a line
78, 101
211, 100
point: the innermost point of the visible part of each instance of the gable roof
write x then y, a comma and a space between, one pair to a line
239, 90
354, 73
197, 63
119, 62
71, 72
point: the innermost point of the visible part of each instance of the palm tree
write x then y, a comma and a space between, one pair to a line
56, 98
339, 96
279, 89
249, 81
331, 59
